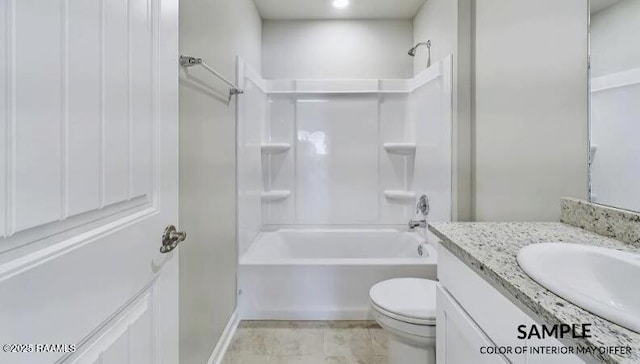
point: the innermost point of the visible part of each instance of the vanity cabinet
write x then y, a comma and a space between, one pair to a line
473, 314
458, 337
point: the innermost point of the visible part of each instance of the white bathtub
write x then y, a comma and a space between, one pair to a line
326, 274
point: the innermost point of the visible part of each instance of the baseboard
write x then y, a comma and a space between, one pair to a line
363, 314
225, 339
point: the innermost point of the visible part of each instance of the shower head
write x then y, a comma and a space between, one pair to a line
412, 51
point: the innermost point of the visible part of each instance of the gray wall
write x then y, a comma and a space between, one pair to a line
216, 30
299, 49
436, 21
614, 38
447, 23
530, 107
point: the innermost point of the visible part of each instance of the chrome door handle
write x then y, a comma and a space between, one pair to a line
171, 238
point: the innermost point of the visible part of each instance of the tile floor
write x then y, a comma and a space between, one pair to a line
308, 342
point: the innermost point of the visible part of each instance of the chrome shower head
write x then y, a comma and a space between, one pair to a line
412, 51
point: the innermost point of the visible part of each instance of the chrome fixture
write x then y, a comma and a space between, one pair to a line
417, 224
412, 51
188, 61
422, 207
171, 238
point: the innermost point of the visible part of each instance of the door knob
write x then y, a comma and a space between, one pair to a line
171, 238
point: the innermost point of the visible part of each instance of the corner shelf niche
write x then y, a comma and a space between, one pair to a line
400, 195
400, 148
275, 195
275, 148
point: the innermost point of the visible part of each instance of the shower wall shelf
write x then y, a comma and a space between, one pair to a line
399, 195
275, 148
275, 195
400, 148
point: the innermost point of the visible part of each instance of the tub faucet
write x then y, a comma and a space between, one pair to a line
417, 223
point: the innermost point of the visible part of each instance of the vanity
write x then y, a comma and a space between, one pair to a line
489, 309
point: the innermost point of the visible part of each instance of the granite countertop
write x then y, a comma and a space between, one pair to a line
490, 249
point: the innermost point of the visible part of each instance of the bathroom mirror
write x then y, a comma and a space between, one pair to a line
614, 158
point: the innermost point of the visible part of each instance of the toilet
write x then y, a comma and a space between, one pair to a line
406, 309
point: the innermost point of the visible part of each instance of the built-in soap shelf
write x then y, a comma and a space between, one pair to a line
400, 195
400, 148
275, 195
275, 148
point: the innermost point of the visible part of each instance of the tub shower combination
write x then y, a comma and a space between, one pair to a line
326, 274
328, 176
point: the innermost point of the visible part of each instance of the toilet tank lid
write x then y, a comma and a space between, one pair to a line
407, 297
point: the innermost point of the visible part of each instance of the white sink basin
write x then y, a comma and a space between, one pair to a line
602, 281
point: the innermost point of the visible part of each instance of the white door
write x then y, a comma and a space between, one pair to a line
88, 181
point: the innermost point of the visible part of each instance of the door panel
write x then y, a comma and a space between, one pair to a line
129, 339
458, 338
35, 114
88, 121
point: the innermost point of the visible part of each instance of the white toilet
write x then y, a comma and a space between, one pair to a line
406, 310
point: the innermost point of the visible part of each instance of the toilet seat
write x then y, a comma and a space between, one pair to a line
409, 300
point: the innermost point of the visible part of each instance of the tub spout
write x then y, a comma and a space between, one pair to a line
417, 223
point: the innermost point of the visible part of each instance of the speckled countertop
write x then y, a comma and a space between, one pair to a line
490, 249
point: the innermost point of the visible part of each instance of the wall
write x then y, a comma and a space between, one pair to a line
216, 31
436, 21
530, 107
447, 23
337, 49
614, 38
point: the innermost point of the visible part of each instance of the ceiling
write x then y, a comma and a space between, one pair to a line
323, 9
597, 5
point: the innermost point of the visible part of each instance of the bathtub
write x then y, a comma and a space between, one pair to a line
326, 274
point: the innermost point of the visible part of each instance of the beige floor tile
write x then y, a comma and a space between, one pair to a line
250, 341
296, 342
379, 341
245, 358
307, 342
297, 360
354, 342
354, 360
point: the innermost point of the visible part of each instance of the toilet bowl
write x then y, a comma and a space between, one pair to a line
406, 309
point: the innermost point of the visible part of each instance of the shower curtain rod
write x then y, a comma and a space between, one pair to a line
188, 61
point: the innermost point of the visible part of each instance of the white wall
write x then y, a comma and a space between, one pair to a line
216, 31
337, 49
614, 38
530, 106
436, 21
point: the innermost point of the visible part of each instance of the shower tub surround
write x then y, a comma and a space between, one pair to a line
328, 176
342, 153
326, 274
